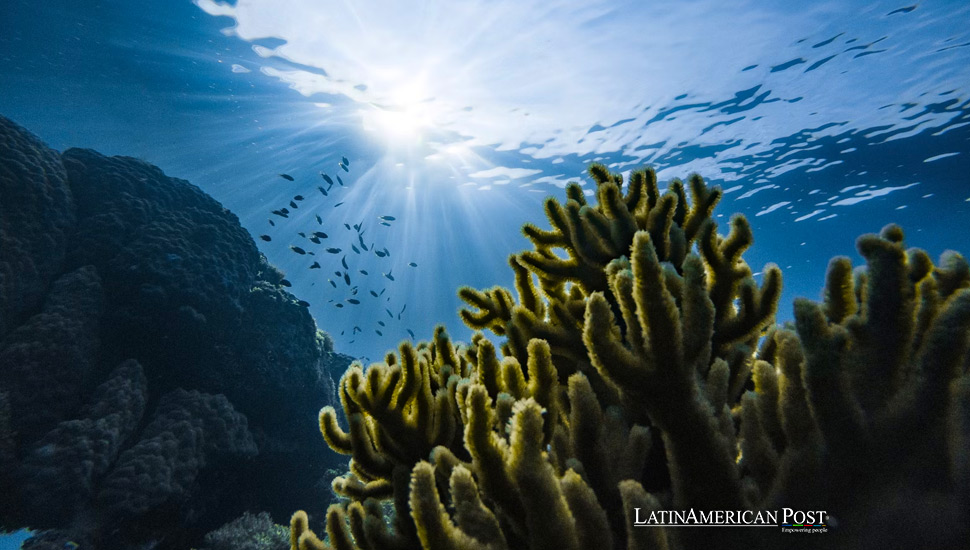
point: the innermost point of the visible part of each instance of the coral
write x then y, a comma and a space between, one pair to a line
155, 272
8, 443
598, 240
631, 381
869, 399
47, 361
53, 540
36, 215
59, 474
187, 429
178, 268
249, 532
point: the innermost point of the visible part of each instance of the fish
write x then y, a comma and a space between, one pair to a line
303, 303
340, 181
345, 161
312, 253
287, 177
338, 204
284, 210
379, 254
271, 222
356, 330
314, 239
347, 279
374, 294
343, 261
297, 249
381, 323
302, 234
353, 301
293, 205
379, 333
412, 264
333, 250
357, 227
402, 310
298, 197
342, 332
284, 282
353, 291
347, 225
280, 213
389, 314
320, 234
387, 218
266, 238
362, 245
322, 190
388, 252
338, 304
389, 276
354, 248
362, 272
326, 178
316, 265
333, 284
411, 333
385, 224
319, 219
344, 166
382, 291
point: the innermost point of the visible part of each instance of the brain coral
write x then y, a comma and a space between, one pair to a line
47, 361
156, 274
36, 214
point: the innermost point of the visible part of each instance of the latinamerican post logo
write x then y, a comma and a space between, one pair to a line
788, 520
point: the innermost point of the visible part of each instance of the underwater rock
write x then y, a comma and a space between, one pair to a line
60, 471
249, 532
156, 274
36, 215
47, 361
188, 427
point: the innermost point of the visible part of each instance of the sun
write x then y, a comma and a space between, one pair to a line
405, 114
400, 124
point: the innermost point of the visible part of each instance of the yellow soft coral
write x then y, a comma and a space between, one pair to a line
629, 381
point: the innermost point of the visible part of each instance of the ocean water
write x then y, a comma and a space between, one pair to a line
448, 123
820, 120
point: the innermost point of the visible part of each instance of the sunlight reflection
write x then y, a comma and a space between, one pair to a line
402, 124
560, 78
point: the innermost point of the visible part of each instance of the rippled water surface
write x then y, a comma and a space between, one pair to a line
820, 122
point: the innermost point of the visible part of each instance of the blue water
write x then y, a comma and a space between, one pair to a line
12, 541
821, 122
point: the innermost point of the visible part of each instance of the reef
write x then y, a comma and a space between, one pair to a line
638, 368
156, 379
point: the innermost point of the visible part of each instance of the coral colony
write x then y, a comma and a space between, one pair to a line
147, 352
641, 385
